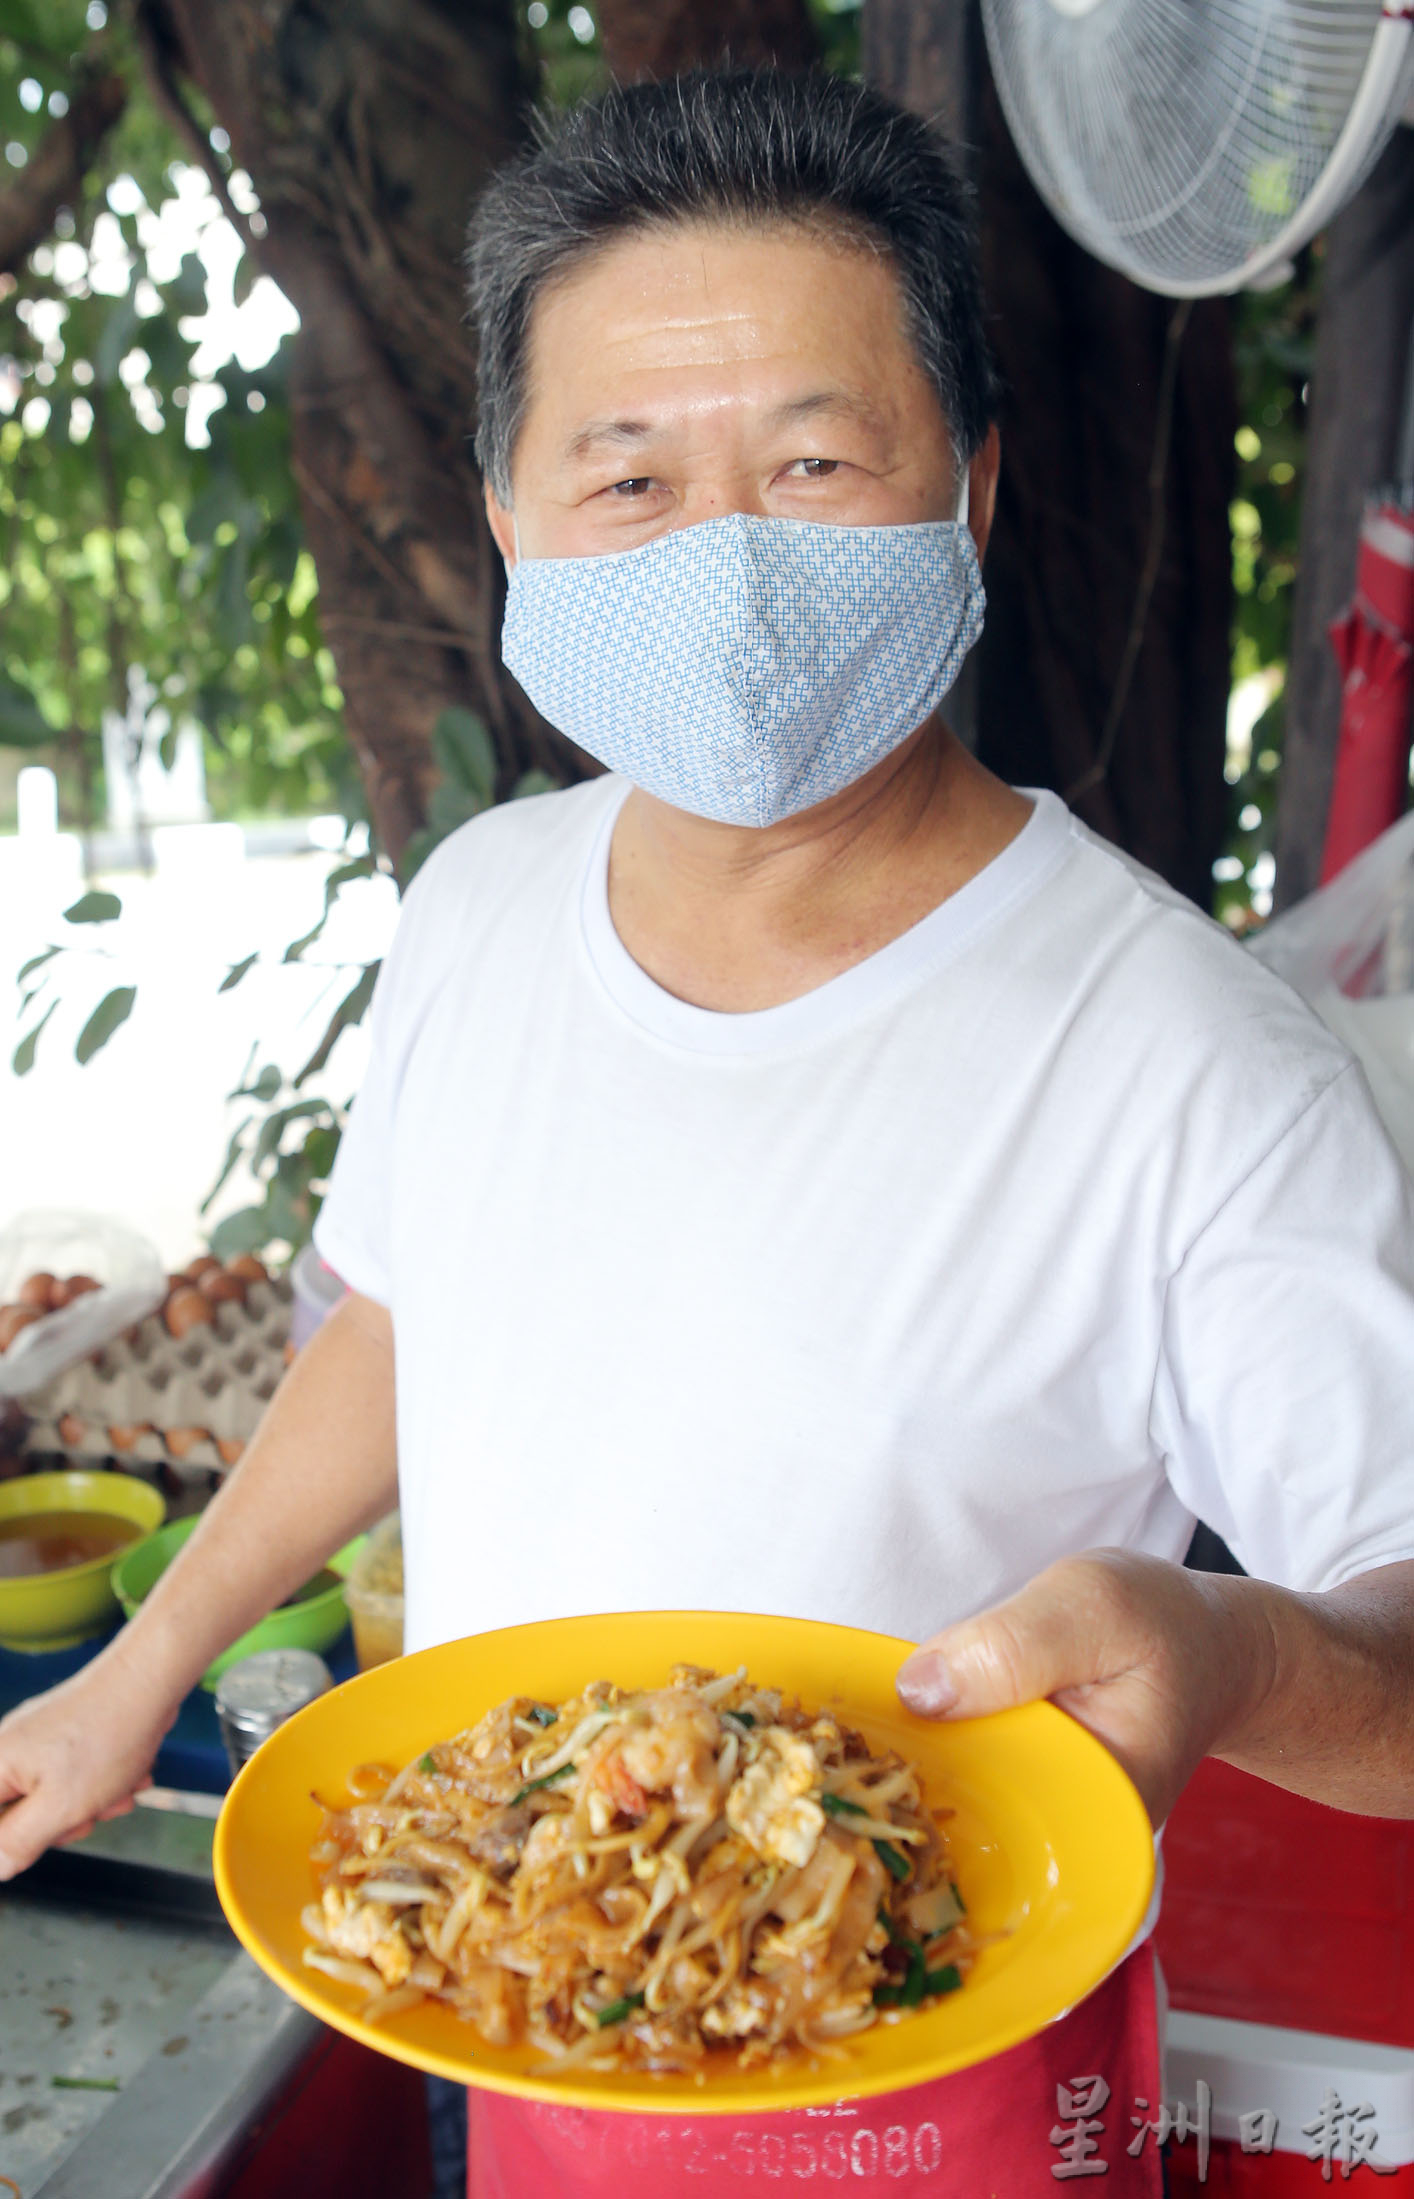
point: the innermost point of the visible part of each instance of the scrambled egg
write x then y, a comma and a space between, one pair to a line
366, 1929
768, 1803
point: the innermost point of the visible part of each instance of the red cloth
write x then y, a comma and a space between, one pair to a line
1058, 2109
1374, 645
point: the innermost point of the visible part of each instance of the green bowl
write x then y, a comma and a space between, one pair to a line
314, 1623
43, 1611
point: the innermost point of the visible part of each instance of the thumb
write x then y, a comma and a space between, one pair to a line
1036, 1643
21, 1838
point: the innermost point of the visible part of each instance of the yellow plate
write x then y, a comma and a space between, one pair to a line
1051, 1842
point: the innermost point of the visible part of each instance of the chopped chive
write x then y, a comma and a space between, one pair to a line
618, 2009
897, 1865
425, 1763
946, 1980
839, 1805
542, 1716
962, 1905
84, 2084
914, 1983
888, 1996
533, 1786
742, 1717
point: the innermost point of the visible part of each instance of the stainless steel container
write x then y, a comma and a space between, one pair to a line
261, 1692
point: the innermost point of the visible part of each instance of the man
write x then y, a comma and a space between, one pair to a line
802, 1173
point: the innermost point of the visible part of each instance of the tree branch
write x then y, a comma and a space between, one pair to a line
655, 38
55, 173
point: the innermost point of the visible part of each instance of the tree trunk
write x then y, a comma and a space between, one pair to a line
1363, 333
368, 128
653, 38
1095, 676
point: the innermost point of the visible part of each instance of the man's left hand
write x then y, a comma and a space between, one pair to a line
1159, 1663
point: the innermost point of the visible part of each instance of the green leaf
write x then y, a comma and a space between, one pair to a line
618, 2009
233, 1154
319, 1151
237, 971
22, 1060
20, 21
266, 1085
533, 782
94, 908
120, 333
465, 751
247, 1230
351, 1010
187, 293
274, 1126
35, 962
22, 722
112, 1011
221, 499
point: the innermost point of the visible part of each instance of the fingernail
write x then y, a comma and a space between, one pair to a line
926, 1684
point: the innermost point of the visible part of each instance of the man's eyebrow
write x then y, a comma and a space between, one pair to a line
609, 434
842, 403
629, 435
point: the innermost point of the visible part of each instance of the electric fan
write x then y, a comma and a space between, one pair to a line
1195, 145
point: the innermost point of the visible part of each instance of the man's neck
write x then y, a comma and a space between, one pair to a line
731, 918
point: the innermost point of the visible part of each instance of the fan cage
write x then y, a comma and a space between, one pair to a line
1196, 144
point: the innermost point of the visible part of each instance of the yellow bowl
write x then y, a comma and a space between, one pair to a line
41, 1611
1051, 1842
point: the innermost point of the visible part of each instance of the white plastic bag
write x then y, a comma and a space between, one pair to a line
127, 1269
1349, 951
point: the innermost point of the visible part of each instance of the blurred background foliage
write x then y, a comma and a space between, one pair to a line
1274, 341
152, 541
147, 509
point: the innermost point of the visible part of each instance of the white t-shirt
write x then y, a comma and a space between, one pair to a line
1055, 1223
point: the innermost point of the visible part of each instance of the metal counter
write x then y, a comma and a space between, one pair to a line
138, 2044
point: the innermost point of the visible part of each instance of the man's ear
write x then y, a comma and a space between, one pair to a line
982, 489
502, 525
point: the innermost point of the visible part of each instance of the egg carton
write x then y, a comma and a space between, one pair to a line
128, 1399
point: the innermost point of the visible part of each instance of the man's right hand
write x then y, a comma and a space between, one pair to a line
70, 1757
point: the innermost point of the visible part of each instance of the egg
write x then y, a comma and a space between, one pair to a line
72, 1287
37, 1290
230, 1448
248, 1268
123, 1439
71, 1431
13, 1319
219, 1287
185, 1310
181, 1440
201, 1265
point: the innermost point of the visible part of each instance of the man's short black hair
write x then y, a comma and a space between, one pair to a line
740, 146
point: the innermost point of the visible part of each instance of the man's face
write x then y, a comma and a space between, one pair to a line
689, 372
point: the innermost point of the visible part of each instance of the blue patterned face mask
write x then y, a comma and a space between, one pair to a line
742, 668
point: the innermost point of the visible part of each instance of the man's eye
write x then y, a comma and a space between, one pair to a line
816, 469
639, 486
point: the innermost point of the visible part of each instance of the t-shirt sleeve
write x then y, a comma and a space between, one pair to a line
1284, 1404
353, 1228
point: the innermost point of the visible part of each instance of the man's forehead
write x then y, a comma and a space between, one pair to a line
669, 329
